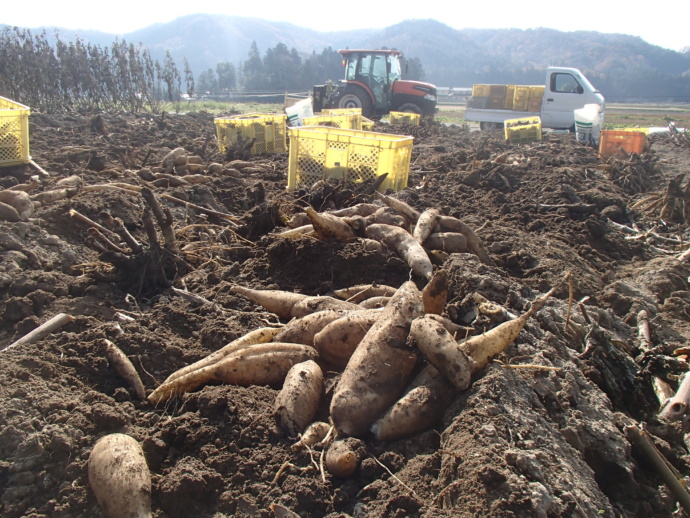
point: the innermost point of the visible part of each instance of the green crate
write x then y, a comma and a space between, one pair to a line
318, 152
410, 118
267, 130
349, 120
523, 131
14, 133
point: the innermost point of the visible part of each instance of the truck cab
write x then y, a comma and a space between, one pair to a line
373, 83
567, 90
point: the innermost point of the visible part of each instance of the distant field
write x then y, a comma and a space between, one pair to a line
617, 115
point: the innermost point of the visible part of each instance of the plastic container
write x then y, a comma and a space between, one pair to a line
267, 130
298, 111
588, 124
410, 118
478, 102
340, 111
508, 100
14, 133
349, 120
521, 98
523, 131
353, 156
621, 142
481, 90
367, 124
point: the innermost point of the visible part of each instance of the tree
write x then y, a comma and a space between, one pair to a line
189, 78
208, 82
227, 78
253, 70
413, 70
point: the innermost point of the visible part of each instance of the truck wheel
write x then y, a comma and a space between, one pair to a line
354, 97
490, 126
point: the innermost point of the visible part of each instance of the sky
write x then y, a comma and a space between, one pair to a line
659, 24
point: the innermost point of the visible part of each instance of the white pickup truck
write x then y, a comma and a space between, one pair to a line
564, 91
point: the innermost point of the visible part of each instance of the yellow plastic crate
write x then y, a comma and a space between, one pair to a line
523, 131
508, 100
318, 152
481, 90
521, 98
340, 111
269, 130
14, 133
410, 118
347, 120
367, 124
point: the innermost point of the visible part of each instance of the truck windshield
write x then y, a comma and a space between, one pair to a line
588, 85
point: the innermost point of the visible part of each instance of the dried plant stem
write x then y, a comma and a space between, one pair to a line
43, 330
640, 438
676, 406
569, 278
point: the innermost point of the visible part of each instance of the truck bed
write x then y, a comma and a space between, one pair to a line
498, 116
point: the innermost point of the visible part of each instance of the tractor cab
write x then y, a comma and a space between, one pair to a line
373, 83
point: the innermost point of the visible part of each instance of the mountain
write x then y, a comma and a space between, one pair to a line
616, 63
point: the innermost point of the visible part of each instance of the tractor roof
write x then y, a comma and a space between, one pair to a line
370, 51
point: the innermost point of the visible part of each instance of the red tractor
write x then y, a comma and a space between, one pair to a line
373, 83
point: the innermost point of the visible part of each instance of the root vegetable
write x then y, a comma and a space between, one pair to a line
302, 330
361, 209
383, 215
482, 347
454, 329
20, 200
298, 400
321, 303
261, 364
435, 293
425, 224
298, 220
296, 232
275, 301
8, 213
119, 477
406, 246
380, 367
315, 433
360, 292
405, 210
442, 351
258, 336
374, 302
338, 340
371, 245
474, 244
124, 367
328, 226
419, 409
450, 242
341, 459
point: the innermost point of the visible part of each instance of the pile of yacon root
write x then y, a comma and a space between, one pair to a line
400, 363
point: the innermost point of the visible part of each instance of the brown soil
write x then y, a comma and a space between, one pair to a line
518, 442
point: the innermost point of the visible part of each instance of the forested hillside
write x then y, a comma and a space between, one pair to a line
227, 52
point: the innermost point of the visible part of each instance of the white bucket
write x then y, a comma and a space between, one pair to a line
299, 111
588, 124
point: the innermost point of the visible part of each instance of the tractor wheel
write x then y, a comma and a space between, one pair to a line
355, 97
410, 108
490, 126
